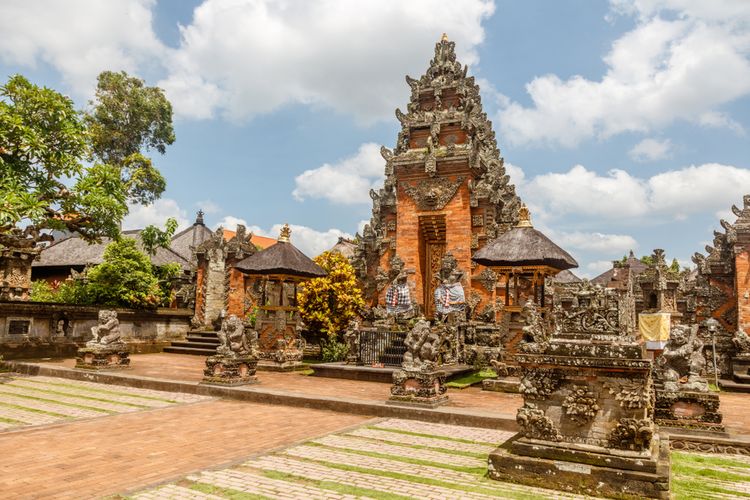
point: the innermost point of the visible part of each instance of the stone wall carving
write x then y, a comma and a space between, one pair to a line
580, 404
435, 193
534, 424
632, 434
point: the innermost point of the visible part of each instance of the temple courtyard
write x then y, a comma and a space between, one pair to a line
154, 432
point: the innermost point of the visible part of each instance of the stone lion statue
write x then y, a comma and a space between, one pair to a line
682, 363
107, 331
423, 346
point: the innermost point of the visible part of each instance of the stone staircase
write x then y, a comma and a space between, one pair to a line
198, 342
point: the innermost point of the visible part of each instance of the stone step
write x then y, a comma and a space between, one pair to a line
731, 385
203, 333
742, 378
202, 340
190, 350
194, 345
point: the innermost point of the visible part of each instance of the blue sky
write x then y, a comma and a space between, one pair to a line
624, 124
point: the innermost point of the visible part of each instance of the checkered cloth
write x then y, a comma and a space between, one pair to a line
397, 298
450, 298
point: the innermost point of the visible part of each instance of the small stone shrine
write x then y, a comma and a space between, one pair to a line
106, 350
420, 382
236, 356
587, 423
683, 398
278, 270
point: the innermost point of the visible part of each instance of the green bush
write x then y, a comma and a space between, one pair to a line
333, 351
42, 291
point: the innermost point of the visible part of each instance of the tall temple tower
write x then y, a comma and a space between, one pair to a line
446, 191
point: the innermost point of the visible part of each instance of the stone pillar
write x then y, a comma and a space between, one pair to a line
15, 272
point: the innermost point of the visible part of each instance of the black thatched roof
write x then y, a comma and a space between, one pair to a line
75, 252
190, 237
281, 258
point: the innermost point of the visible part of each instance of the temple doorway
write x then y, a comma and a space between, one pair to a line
432, 241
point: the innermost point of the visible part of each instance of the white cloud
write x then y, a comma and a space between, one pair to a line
618, 195
208, 207
157, 213
347, 181
682, 66
230, 222
242, 59
310, 241
651, 150
79, 38
594, 269
596, 242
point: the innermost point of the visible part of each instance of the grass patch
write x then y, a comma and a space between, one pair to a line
714, 388
690, 489
72, 405
698, 460
343, 489
34, 410
421, 434
11, 421
103, 391
478, 471
484, 487
92, 398
210, 489
308, 371
470, 379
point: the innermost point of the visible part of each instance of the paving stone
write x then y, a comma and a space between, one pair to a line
70, 411
422, 441
261, 485
450, 431
108, 406
355, 443
174, 492
53, 389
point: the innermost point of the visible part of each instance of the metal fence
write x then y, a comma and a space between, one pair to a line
381, 348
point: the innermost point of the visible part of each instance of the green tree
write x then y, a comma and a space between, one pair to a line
330, 303
125, 278
127, 118
152, 237
43, 182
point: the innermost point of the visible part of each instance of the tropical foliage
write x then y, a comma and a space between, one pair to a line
330, 303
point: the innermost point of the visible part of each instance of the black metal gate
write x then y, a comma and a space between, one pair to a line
381, 348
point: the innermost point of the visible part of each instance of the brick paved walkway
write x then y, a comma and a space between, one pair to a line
114, 453
400, 459
734, 406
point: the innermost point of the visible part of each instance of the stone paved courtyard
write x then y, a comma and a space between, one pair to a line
400, 459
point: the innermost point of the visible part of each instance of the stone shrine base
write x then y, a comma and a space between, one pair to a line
689, 410
280, 366
421, 388
584, 469
103, 357
223, 370
502, 384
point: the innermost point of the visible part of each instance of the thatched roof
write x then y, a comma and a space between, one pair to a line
636, 267
565, 276
524, 246
75, 252
345, 247
281, 258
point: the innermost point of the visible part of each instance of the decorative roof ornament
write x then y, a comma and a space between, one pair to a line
444, 38
285, 234
524, 217
199, 218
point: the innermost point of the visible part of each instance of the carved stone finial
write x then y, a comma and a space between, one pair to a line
444, 38
285, 234
199, 218
524, 217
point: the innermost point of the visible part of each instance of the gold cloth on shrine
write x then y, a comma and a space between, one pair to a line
654, 327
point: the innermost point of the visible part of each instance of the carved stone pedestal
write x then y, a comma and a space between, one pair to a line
689, 410
586, 425
230, 371
414, 387
103, 357
502, 384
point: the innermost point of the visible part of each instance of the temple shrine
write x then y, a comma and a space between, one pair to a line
446, 193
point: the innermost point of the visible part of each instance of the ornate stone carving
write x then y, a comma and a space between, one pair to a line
234, 341
539, 384
536, 337
477, 220
741, 341
107, 331
580, 404
435, 193
534, 424
681, 365
632, 434
423, 345
629, 394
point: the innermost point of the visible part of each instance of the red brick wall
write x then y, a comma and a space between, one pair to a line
742, 286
